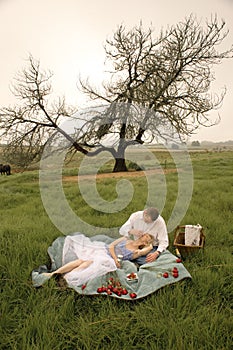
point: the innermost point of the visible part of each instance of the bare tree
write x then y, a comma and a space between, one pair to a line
28, 125
169, 77
158, 87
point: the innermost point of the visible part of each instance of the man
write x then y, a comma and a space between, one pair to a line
147, 221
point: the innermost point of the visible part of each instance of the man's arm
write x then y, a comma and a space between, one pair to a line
128, 227
125, 228
162, 236
162, 241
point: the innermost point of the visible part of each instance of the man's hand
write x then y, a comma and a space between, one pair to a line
135, 232
152, 256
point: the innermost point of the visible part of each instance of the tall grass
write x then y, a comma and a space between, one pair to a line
194, 314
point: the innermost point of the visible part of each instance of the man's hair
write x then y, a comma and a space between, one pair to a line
153, 213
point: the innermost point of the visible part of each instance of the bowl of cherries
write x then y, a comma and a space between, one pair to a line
132, 277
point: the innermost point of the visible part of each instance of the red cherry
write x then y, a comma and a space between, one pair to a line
175, 270
178, 260
124, 291
83, 286
133, 295
175, 274
109, 292
165, 275
100, 290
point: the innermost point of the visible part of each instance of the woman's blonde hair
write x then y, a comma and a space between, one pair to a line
151, 236
144, 245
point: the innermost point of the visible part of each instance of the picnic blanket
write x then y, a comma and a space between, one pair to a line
150, 275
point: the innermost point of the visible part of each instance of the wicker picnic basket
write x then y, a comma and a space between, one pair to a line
179, 242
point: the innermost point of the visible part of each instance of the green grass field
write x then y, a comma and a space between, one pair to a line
188, 315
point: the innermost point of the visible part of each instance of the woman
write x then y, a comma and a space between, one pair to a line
84, 259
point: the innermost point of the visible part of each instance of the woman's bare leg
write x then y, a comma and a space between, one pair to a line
83, 265
67, 267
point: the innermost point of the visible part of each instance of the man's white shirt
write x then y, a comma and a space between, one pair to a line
157, 229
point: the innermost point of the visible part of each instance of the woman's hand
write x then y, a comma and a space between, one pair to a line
117, 263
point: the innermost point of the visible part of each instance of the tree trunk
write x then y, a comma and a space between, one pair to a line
120, 165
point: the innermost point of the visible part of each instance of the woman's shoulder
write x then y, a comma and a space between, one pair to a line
125, 242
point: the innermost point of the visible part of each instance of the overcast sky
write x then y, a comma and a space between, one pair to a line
67, 36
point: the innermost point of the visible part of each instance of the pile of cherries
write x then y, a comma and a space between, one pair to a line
115, 287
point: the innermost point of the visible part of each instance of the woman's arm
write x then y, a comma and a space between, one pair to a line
112, 249
143, 251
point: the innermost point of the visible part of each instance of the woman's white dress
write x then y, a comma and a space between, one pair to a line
81, 247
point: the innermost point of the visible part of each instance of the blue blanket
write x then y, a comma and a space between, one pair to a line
150, 275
